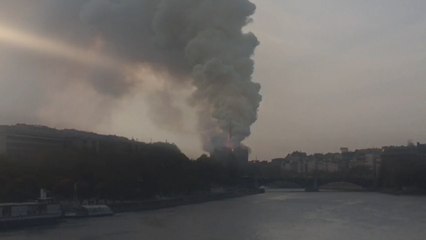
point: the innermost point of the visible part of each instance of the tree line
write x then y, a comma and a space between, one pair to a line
159, 169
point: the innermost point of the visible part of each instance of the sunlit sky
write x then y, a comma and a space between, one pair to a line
334, 73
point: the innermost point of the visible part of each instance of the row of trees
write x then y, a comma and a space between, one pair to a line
162, 169
157, 169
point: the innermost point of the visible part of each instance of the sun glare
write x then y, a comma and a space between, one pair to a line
24, 40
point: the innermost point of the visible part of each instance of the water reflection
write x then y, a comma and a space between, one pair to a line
272, 216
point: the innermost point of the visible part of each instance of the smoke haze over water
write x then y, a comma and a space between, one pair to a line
189, 44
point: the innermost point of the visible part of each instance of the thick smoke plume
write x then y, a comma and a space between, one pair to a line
200, 42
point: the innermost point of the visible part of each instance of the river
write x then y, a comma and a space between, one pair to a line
275, 215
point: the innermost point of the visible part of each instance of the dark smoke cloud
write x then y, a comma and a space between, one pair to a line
201, 38
200, 41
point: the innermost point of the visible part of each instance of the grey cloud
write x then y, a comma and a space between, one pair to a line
198, 38
191, 40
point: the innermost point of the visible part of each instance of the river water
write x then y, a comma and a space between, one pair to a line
276, 215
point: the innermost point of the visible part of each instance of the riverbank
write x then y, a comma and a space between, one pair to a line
274, 215
135, 206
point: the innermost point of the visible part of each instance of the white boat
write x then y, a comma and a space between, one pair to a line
44, 210
28, 213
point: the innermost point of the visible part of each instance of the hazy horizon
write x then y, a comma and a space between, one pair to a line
333, 74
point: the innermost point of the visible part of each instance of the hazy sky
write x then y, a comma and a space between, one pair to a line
334, 73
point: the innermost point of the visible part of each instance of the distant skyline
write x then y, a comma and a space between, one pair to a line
333, 73
340, 74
